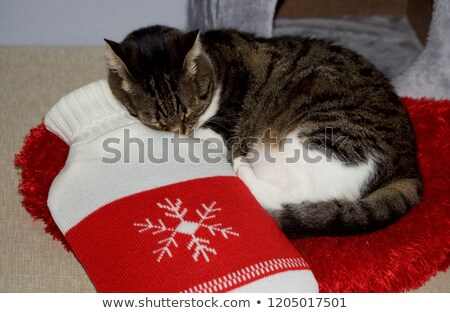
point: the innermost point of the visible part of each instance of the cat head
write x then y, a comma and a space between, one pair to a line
162, 76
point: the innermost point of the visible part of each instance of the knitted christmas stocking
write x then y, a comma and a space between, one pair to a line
147, 211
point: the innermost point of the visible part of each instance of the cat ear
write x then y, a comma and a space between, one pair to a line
194, 52
116, 56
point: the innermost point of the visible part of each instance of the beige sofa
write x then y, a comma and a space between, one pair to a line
32, 79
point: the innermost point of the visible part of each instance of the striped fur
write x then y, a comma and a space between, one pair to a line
333, 100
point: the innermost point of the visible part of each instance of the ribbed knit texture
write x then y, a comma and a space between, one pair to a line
87, 113
141, 225
86, 119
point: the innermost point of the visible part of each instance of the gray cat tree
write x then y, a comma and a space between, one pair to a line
428, 75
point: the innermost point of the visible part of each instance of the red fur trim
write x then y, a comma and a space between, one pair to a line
406, 254
41, 158
399, 258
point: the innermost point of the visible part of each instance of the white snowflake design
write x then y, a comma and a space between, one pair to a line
200, 246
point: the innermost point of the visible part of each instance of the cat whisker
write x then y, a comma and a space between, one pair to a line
214, 123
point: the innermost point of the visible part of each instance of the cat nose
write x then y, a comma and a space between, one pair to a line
174, 129
182, 129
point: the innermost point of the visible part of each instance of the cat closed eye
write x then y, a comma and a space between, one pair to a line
203, 97
148, 117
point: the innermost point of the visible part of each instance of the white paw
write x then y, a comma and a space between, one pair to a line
242, 168
264, 193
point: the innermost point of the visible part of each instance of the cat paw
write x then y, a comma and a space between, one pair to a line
267, 195
242, 168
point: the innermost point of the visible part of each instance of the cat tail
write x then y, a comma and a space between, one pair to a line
338, 217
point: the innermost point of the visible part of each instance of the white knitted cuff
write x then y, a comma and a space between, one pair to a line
87, 113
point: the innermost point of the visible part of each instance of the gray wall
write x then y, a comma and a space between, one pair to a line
83, 22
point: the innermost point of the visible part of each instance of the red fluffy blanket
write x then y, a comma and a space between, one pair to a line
399, 258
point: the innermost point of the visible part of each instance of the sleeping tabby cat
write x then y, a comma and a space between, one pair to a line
315, 131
